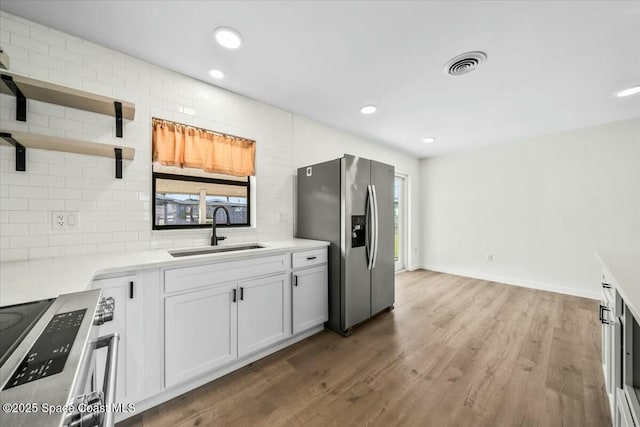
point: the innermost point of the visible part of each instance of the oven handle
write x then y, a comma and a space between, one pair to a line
110, 375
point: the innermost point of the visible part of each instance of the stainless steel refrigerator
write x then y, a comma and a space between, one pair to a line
349, 202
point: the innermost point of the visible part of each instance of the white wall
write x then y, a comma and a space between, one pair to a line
115, 215
541, 206
314, 143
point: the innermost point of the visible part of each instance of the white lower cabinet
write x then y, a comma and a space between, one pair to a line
262, 313
309, 298
220, 316
128, 323
200, 332
209, 328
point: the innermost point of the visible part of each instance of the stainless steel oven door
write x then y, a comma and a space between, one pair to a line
93, 403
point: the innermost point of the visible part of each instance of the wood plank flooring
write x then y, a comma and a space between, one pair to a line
455, 352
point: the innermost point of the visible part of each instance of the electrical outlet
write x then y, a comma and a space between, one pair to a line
64, 220
58, 220
489, 257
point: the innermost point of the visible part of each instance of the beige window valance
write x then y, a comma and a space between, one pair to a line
175, 144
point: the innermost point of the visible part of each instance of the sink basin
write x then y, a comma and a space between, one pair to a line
214, 250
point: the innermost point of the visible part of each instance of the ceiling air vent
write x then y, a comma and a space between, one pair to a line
465, 63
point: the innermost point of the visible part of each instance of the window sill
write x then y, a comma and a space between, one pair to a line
193, 231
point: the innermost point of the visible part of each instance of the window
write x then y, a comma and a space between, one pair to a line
182, 201
199, 173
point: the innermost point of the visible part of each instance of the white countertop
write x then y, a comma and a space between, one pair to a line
23, 281
625, 269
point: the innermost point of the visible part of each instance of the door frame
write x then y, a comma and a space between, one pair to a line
403, 215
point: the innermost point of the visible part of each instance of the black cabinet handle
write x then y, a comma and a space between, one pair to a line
295, 280
606, 285
234, 295
131, 290
241, 293
600, 314
602, 319
309, 258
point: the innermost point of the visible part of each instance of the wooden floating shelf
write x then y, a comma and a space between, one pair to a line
23, 140
29, 88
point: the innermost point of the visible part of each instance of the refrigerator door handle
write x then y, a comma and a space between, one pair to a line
370, 229
375, 225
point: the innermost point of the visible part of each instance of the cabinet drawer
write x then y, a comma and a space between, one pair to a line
182, 279
309, 258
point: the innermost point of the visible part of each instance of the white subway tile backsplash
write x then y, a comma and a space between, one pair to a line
65, 124
27, 192
45, 180
43, 228
27, 217
62, 78
28, 44
111, 247
45, 130
66, 55
65, 239
13, 230
15, 204
46, 61
110, 226
125, 236
13, 26
80, 72
137, 246
16, 53
46, 205
45, 108
26, 68
77, 45
65, 193
96, 238
79, 205
19, 242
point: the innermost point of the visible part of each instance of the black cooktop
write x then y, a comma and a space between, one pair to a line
15, 323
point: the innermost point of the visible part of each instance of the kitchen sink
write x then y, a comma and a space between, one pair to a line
214, 250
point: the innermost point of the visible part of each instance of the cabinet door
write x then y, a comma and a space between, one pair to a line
310, 298
262, 318
127, 322
200, 332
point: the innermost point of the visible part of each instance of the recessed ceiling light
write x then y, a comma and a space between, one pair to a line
628, 92
368, 109
216, 74
228, 37
429, 139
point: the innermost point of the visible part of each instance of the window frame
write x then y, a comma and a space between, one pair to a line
175, 177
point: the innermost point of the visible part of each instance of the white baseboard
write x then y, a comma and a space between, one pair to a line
517, 282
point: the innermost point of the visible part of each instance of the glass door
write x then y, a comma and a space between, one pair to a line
400, 203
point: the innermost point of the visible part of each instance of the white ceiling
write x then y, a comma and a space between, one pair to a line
551, 65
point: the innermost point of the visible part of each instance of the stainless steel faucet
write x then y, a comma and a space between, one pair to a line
214, 238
